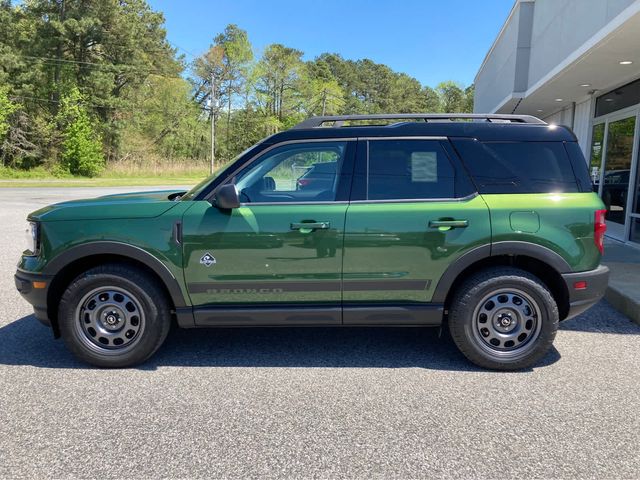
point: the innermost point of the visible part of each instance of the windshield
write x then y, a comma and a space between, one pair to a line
201, 186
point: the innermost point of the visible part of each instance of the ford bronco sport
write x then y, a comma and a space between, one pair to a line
485, 223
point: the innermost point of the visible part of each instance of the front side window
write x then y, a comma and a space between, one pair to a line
298, 172
409, 169
200, 187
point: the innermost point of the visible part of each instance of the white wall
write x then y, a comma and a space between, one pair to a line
578, 121
496, 80
561, 117
581, 125
537, 37
561, 26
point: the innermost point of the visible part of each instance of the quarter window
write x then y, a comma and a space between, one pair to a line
519, 167
409, 169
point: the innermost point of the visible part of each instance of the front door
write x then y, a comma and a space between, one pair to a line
413, 212
282, 248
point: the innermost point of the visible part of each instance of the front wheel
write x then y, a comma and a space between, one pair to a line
114, 316
503, 319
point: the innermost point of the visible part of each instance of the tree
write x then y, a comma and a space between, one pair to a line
345, 73
321, 92
165, 120
81, 146
278, 76
452, 97
15, 143
236, 58
7, 108
407, 95
17, 148
105, 48
432, 101
98, 79
469, 93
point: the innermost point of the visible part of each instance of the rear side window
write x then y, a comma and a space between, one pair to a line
518, 167
409, 169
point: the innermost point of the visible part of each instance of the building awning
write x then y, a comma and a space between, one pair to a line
597, 66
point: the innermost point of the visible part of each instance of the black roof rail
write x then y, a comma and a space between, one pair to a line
338, 120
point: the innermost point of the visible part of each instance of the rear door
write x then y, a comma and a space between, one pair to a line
413, 212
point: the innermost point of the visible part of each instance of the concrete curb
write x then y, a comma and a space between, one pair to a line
623, 302
623, 292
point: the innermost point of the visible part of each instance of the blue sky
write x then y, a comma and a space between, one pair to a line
431, 40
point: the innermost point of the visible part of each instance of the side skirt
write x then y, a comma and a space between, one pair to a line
312, 315
430, 314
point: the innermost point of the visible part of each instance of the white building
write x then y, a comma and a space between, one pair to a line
576, 63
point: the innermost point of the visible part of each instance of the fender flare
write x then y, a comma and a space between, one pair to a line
73, 254
532, 250
511, 248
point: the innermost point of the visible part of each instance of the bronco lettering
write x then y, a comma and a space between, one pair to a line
244, 290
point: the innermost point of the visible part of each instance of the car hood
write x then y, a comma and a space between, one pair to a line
118, 206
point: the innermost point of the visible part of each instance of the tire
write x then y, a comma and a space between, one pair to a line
503, 318
114, 316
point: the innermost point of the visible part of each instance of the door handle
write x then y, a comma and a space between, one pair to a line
306, 227
448, 224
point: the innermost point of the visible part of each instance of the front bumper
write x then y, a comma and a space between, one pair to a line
26, 284
582, 299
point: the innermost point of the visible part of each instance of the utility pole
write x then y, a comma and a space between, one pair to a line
212, 103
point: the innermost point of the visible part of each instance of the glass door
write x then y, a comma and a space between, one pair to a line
597, 151
616, 175
634, 215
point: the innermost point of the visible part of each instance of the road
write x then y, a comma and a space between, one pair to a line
310, 403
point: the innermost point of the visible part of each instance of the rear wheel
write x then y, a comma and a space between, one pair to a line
114, 316
503, 318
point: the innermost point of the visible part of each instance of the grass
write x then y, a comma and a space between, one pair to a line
101, 182
116, 176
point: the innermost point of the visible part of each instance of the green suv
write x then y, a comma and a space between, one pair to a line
487, 223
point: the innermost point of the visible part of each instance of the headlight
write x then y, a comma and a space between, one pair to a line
31, 233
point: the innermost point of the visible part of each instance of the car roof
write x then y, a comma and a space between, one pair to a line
483, 131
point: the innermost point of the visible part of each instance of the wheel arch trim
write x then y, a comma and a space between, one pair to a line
124, 250
497, 249
534, 250
456, 268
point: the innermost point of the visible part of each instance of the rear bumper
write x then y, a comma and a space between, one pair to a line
583, 299
35, 296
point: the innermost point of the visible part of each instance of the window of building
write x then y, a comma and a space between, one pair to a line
621, 97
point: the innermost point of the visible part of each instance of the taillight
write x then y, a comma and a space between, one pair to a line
599, 227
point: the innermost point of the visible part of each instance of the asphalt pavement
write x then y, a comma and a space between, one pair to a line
310, 403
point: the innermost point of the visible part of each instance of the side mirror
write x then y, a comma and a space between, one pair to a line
227, 197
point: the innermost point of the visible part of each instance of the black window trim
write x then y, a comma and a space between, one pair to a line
420, 200
443, 141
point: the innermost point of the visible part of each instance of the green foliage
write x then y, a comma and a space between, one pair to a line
452, 96
82, 146
7, 108
107, 49
84, 85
